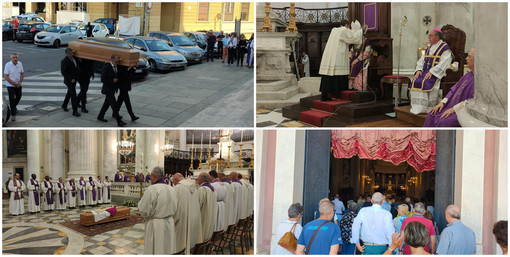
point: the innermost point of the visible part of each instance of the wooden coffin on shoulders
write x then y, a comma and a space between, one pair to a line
102, 52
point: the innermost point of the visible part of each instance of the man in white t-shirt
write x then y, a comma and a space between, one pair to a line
14, 74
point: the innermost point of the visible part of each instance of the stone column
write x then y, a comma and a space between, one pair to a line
153, 155
182, 140
489, 107
140, 151
110, 153
82, 149
57, 154
33, 154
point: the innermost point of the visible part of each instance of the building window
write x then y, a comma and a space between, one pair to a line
203, 11
229, 12
245, 11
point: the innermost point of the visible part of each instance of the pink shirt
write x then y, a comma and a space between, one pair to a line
428, 224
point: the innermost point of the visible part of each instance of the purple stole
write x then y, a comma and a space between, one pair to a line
216, 180
237, 180
99, 193
137, 178
226, 180
463, 90
49, 196
93, 190
17, 195
62, 201
160, 181
36, 191
421, 84
358, 66
148, 178
73, 188
127, 179
82, 195
108, 187
117, 178
207, 185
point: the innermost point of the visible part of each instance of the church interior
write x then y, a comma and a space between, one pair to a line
127, 158
286, 97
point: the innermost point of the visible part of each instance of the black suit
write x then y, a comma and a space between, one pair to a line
85, 73
124, 84
70, 71
108, 89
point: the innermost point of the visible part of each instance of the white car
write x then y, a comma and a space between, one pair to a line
57, 35
99, 30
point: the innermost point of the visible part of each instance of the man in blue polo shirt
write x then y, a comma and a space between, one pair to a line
456, 238
328, 237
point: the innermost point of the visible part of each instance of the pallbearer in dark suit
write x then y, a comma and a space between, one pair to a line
69, 69
125, 77
109, 77
85, 74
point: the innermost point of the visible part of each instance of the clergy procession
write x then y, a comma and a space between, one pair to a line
197, 216
51, 195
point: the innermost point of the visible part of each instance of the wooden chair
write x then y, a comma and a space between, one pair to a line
201, 248
456, 39
217, 241
229, 239
181, 252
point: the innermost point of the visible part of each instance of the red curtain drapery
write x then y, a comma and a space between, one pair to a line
417, 147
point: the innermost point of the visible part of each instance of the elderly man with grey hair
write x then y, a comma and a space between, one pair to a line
419, 210
320, 236
295, 213
376, 227
456, 238
158, 205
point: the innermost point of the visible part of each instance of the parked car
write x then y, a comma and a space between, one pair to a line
28, 31
6, 30
109, 22
57, 35
142, 70
99, 30
31, 17
161, 56
198, 38
182, 44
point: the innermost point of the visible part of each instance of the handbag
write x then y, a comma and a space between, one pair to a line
288, 240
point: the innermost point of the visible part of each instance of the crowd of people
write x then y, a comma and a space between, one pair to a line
231, 48
383, 226
60, 195
179, 212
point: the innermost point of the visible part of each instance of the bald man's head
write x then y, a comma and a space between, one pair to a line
233, 175
177, 177
203, 177
452, 213
221, 175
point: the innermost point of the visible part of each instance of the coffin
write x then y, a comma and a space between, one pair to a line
87, 218
102, 52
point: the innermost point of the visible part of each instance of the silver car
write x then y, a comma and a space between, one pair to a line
57, 35
182, 44
161, 56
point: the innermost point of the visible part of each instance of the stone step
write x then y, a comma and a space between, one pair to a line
359, 110
271, 86
283, 94
277, 104
403, 113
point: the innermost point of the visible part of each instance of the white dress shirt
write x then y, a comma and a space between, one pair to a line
339, 206
14, 72
376, 225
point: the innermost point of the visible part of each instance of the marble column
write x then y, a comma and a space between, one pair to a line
153, 155
140, 151
33, 154
82, 149
182, 139
109, 153
288, 176
489, 107
57, 154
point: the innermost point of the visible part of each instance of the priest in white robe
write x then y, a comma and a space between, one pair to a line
91, 192
107, 190
72, 192
34, 199
60, 197
238, 196
82, 192
221, 193
188, 227
48, 202
207, 199
229, 200
158, 205
99, 187
16, 202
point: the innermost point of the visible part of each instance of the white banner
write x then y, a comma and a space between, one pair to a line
129, 25
64, 17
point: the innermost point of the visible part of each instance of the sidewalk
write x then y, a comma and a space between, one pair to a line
203, 95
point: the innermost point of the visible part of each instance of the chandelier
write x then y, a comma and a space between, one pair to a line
168, 148
125, 146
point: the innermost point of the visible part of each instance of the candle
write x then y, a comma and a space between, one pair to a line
217, 167
192, 140
201, 139
242, 136
210, 136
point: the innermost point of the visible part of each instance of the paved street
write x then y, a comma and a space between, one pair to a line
203, 95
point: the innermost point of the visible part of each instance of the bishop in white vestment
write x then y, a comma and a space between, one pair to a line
16, 202
34, 199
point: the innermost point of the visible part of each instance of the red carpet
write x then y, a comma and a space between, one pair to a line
314, 117
328, 106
